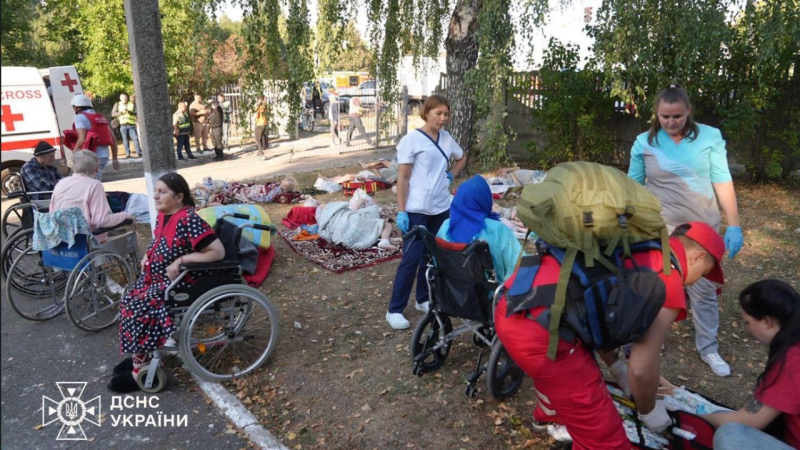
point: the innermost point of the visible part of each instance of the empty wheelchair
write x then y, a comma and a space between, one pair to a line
462, 285
87, 278
227, 328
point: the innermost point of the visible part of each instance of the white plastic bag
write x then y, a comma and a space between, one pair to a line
360, 200
323, 184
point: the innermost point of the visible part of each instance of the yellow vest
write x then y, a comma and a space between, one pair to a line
127, 113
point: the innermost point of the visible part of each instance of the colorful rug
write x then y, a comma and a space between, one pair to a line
340, 259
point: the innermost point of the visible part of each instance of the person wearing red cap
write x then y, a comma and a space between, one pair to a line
570, 389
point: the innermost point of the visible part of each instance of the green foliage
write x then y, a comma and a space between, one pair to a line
740, 73
298, 57
17, 18
573, 113
489, 79
332, 26
642, 46
356, 57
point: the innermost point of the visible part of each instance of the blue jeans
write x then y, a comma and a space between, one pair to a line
128, 133
183, 142
413, 263
737, 436
102, 162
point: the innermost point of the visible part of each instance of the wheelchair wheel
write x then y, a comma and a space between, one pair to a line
35, 291
426, 335
228, 332
17, 217
15, 245
95, 289
159, 381
503, 375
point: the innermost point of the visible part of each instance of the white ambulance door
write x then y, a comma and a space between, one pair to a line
65, 84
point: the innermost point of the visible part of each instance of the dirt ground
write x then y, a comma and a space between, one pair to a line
341, 378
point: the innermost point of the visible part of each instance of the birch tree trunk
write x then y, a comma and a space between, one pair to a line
462, 54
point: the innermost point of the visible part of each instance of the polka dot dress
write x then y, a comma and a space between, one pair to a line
145, 324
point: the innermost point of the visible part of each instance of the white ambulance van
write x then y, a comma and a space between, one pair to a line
35, 107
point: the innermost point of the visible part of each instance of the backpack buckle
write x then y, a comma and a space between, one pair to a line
588, 221
623, 221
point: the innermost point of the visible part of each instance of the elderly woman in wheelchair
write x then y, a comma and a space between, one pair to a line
188, 299
181, 236
467, 264
59, 262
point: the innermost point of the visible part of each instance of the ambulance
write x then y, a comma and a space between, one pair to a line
35, 107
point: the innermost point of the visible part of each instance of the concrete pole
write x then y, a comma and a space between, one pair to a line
152, 96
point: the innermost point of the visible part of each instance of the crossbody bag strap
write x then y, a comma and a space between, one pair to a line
436, 144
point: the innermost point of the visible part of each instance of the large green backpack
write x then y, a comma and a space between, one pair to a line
591, 209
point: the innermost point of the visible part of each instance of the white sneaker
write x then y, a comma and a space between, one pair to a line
397, 321
559, 432
423, 307
717, 364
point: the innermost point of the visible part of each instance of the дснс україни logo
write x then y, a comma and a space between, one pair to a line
71, 411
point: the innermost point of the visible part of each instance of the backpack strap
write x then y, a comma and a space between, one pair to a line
560, 300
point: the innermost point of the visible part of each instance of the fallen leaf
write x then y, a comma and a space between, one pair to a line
291, 436
353, 373
38, 427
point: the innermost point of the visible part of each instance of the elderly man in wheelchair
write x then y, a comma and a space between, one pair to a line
37, 179
224, 327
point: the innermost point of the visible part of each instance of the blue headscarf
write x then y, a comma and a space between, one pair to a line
471, 205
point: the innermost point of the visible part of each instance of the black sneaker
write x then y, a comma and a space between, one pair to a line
125, 366
192, 157
123, 383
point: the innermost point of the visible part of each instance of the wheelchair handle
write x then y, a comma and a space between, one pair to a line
235, 216
415, 230
125, 222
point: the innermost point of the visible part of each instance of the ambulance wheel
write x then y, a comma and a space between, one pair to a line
10, 180
426, 335
159, 381
503, 375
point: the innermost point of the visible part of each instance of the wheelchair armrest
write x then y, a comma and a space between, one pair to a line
119, 225
16, 194
224, 264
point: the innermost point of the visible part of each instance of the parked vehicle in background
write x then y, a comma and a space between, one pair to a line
421, 80
35, 107
327, 92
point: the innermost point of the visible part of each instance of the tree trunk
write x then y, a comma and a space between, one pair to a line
462, 54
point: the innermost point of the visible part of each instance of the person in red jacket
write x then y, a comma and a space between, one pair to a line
571, 390
771, 309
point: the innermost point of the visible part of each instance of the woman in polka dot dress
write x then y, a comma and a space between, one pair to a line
181, 236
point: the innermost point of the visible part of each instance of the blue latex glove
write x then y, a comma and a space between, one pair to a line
449, 176
733, 241
402, 221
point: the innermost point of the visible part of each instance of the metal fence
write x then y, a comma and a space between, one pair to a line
382, 124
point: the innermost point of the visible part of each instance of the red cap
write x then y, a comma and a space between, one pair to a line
710, 240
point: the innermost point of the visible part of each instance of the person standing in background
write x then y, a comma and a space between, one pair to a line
182, 129
125, 113
261, 134
199, 113
215, 120
333, 117
226, 117
684, 164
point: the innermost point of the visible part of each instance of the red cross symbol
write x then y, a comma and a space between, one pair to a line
68, 82
8, 118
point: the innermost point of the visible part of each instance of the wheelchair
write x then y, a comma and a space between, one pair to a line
20, 216
227, 328
462, 284
87, 279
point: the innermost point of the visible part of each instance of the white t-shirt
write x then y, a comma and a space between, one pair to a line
427, 188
